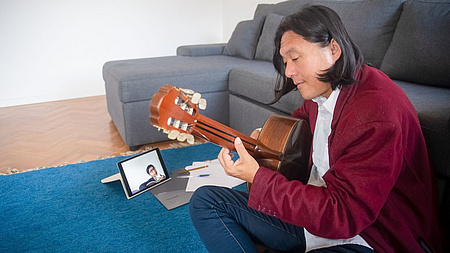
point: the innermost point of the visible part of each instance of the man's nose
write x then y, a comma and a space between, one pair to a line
290, 71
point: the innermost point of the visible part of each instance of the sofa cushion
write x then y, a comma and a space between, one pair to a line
139, 79
420, 48
433, 109
244, 39
371, 30
266, 46
256, 82
371, 24
245, 122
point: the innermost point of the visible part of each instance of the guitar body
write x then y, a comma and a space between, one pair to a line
283, 145
292, 137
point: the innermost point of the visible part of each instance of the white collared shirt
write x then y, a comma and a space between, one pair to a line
321, 165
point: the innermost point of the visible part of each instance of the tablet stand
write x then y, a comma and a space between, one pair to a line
112, 178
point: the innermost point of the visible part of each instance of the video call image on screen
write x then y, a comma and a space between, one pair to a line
143, 171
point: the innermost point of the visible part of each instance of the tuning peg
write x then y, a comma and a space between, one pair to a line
173, 134
176, 123
196, 97
202, 104
187, 91
190, 139
182, 137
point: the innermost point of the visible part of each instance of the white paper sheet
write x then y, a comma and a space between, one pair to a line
216, 176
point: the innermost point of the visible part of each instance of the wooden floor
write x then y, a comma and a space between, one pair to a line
58, 133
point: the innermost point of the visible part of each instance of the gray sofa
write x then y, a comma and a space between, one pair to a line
409, 41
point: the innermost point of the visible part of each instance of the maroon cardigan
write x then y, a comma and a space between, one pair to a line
379, 185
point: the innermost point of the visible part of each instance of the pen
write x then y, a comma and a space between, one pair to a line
202, 175
183, 171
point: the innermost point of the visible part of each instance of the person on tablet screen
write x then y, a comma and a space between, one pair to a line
154, 177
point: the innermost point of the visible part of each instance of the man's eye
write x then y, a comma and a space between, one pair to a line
295, 59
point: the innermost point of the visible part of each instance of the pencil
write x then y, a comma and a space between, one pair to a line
183, 171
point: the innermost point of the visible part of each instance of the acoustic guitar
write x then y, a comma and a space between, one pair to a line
283, 145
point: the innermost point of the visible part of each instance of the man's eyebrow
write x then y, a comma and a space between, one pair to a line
285, 53
288, 52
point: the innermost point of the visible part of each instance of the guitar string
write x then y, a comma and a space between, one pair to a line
223, 132
222, 137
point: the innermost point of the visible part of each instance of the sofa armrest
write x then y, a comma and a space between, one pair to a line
201, 50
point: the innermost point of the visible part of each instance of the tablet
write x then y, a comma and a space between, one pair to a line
142, 172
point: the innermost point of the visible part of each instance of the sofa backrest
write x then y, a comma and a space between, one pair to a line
371, 24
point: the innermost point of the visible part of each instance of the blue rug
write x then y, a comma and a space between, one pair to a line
68, 209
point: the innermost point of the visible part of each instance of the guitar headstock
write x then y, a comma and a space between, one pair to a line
175, 110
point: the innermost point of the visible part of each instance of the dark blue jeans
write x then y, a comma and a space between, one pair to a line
225, 223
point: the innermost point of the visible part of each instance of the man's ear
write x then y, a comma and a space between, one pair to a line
335, 50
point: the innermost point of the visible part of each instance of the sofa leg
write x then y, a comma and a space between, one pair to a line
134, 148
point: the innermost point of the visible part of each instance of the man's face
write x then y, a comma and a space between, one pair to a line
152, 171
304, 61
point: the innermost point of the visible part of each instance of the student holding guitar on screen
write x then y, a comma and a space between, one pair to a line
370, 185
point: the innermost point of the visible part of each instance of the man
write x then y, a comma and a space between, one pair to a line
370, 187
154, 177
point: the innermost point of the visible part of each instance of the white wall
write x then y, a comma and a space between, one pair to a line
55, 49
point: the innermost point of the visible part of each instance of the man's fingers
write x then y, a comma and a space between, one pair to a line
225, 157
240, 148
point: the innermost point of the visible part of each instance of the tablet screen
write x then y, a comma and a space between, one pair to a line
142, 172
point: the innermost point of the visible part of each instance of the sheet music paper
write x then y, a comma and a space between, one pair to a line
216, 176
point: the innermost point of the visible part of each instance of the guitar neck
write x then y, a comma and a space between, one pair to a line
224, 136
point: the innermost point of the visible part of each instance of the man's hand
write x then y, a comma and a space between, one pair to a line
245, 167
